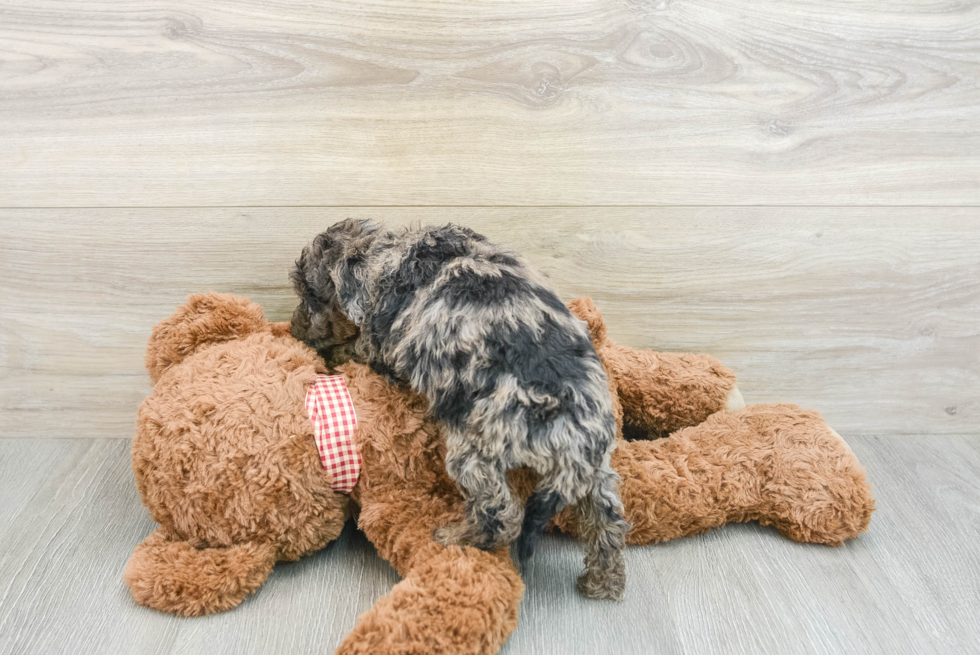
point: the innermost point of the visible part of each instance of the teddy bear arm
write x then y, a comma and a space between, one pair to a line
171, 575
660, 392
663, 392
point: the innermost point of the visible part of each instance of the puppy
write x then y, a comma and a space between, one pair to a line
508, 371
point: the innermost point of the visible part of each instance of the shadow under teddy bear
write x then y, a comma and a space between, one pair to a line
225, 460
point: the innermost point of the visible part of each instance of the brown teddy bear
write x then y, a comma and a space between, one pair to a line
226, 462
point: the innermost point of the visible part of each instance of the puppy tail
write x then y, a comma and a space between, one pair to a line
171, 575
602, 527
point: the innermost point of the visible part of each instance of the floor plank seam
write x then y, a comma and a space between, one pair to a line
496, 206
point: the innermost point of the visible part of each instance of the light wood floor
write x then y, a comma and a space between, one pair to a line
909, 586
790, 185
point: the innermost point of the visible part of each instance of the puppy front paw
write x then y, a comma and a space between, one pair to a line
460, 533
453, 534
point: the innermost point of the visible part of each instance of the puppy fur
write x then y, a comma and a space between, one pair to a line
508, 371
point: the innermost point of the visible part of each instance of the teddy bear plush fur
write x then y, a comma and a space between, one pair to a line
225, 460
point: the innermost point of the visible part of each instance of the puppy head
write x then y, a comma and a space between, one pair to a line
329, 280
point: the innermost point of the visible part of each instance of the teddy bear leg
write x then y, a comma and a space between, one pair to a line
818, 491
454, 601
171, 575
777, 464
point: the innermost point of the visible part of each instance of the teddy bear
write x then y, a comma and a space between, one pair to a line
226, 462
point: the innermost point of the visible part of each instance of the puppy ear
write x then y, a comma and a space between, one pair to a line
349, 274
311, 275
317, 274
332, 269
350, 277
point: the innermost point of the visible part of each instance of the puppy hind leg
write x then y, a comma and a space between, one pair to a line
492, 515
543, 504
603, 530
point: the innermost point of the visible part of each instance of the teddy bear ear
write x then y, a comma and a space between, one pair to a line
205, 319
586, 310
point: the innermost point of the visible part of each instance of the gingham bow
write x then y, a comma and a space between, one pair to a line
330, 408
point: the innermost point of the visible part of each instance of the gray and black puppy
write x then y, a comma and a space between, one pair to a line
508, 371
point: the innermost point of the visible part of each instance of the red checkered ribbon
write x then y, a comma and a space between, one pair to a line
330, 408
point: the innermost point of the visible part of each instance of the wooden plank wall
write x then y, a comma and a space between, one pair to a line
791, 186
286, 102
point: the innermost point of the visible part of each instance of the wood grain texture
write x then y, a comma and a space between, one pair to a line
569, 102
871, 316
910, 586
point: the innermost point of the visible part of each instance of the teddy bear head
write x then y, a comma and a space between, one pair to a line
224, 455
